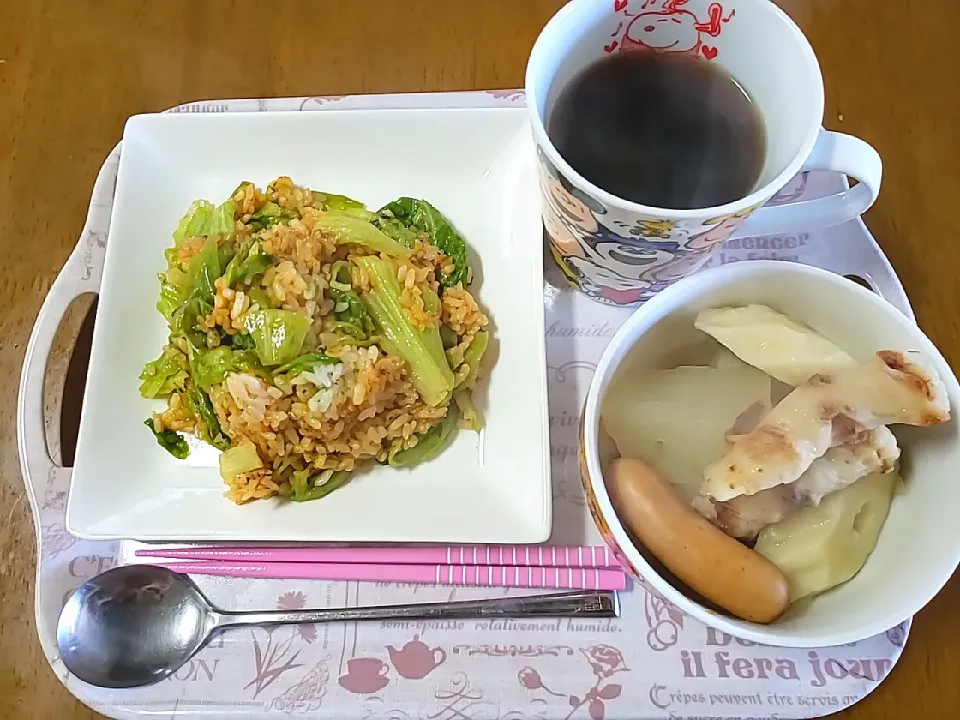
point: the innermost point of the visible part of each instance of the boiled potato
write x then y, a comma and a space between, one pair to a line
723, 359
820, 547
675, 420
759, 335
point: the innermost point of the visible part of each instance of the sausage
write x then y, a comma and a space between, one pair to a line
722, 570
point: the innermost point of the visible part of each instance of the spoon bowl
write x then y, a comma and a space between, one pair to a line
133, 626
138, 624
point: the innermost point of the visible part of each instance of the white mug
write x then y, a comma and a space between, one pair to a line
621, 252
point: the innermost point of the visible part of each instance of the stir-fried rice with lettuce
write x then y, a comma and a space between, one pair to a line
310, 337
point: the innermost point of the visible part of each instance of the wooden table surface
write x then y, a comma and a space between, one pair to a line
72, 71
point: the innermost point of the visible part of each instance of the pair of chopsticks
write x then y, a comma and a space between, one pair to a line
575, 568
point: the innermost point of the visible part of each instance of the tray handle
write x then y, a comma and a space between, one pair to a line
79, 276
71, 283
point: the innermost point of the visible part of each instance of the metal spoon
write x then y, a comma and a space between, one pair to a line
137, 624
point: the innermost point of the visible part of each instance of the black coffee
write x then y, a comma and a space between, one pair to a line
660, 129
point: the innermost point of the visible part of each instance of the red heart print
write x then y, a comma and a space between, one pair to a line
709, 52
619, 5
610, 47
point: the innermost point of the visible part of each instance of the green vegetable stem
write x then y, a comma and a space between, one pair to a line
331, 201
430, 443
306, 362
468, 411
303, 489
422, 349
473, 357
269, 215
347, 228
171, 441
208, 425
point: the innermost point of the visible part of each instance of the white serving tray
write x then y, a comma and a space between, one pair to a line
652, 664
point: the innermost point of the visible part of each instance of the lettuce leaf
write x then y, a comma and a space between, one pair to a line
423, 216
191, 297
165, 375
247, 264
183, 322
204, 270
195, 222
170, 440
171, 297
350, 314
203, 219
395, 229
223, 221
278, 335
210, 367
174, 274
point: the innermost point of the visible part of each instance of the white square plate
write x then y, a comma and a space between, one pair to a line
476, 166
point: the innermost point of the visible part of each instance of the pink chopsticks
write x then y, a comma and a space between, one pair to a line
480, 575
524, 555
581, 568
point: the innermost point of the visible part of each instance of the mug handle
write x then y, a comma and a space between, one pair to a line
836, 152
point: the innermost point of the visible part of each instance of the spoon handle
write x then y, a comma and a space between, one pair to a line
585, 604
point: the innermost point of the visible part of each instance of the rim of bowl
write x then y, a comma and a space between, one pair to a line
642, 320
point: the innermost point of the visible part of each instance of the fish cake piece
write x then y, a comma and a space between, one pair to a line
826, 411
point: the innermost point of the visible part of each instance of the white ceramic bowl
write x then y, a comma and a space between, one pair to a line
919, 546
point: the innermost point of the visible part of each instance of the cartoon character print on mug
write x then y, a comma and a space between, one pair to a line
696, 250
604, 264
715, 231
685, 263
666, 26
